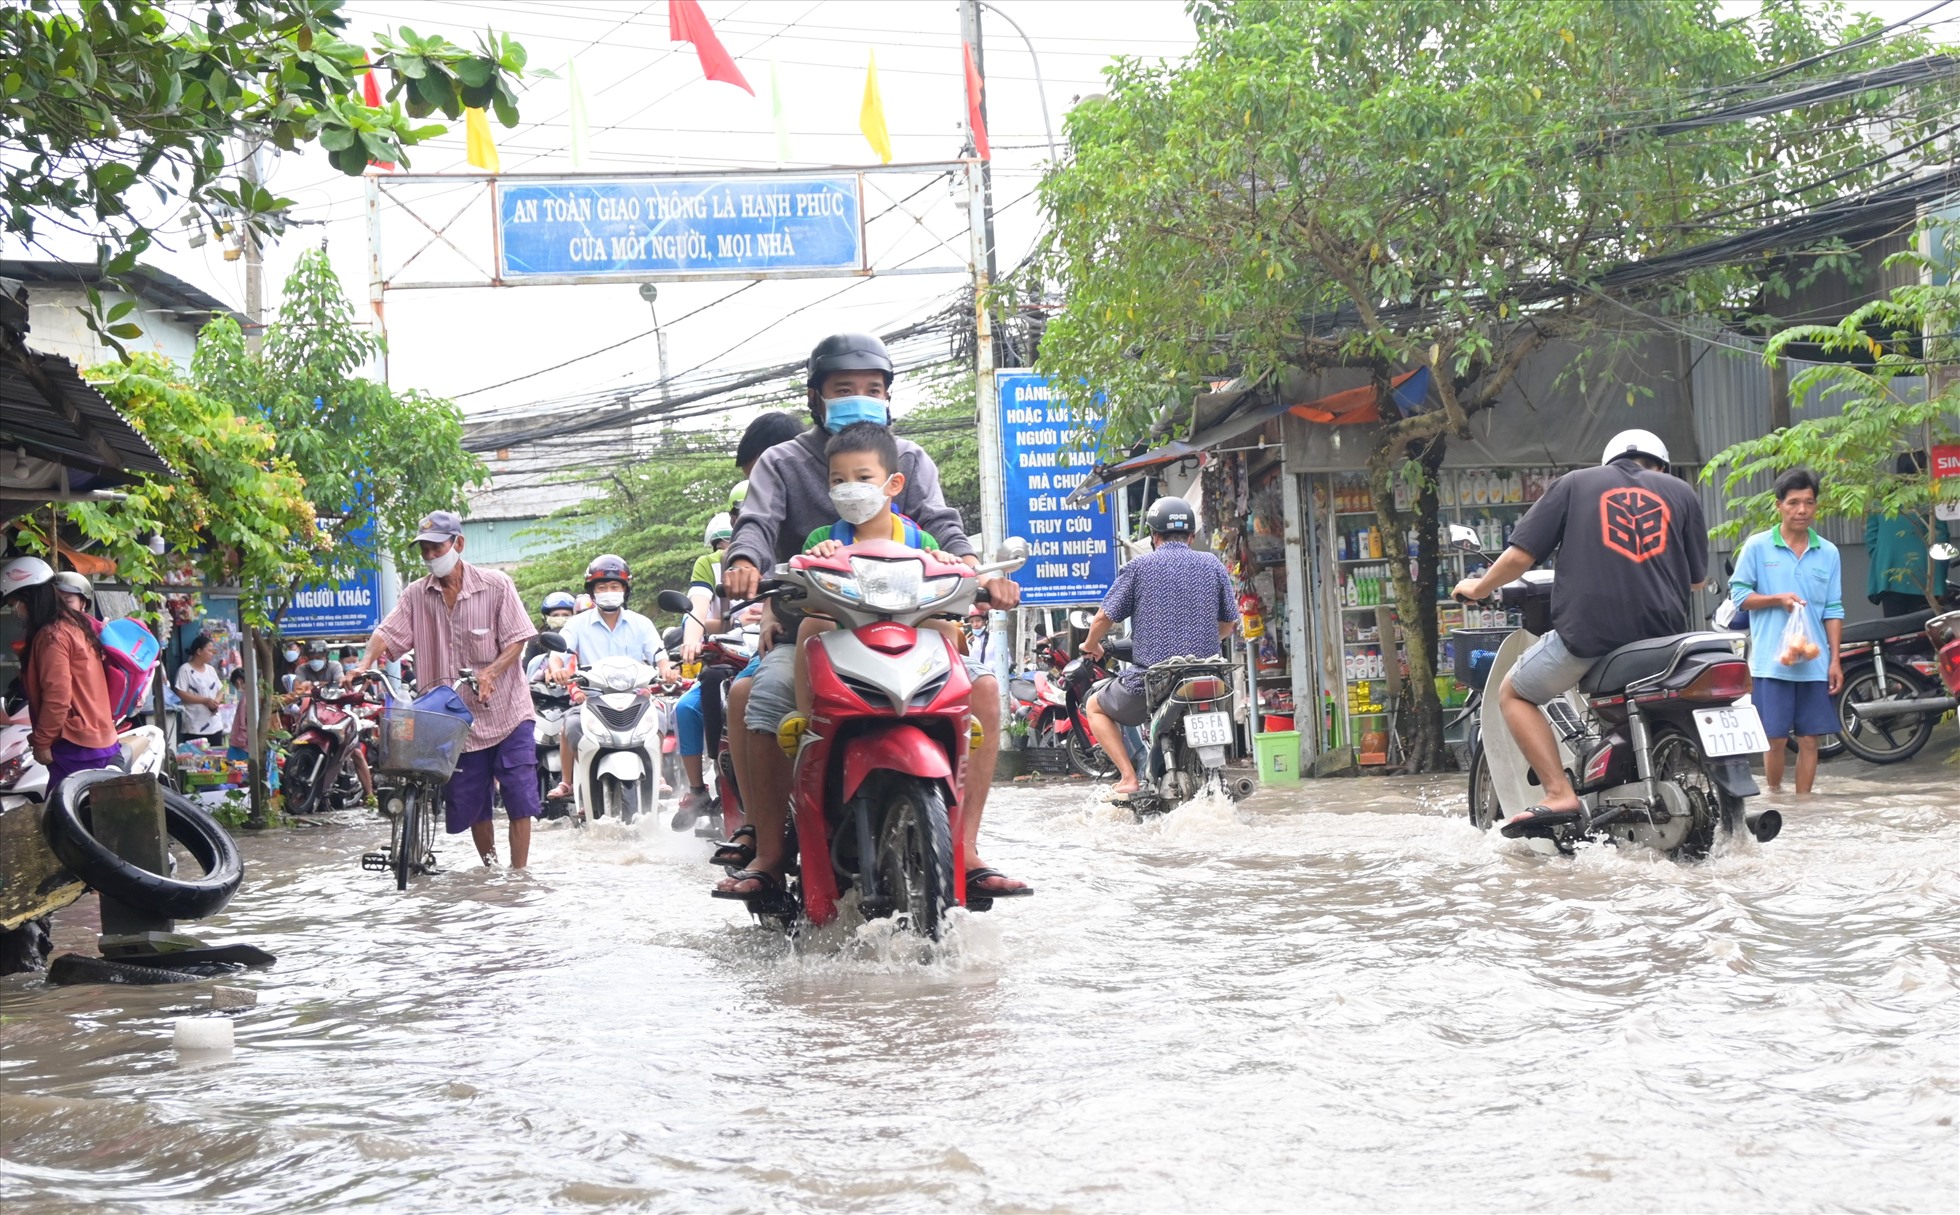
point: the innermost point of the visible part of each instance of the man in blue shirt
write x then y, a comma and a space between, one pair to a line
609, 629
1180, 604
1791, 568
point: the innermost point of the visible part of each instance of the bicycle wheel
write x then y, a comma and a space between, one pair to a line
408, 837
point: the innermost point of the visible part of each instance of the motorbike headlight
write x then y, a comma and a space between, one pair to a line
619, 681
889, 586
935, 589
836, 585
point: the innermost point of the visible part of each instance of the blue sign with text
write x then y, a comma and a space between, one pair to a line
738, 226
1048, 447
346, 607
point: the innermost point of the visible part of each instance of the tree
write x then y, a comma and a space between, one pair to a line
114, 94
1434, 183
374, 460
948, 427
237, 511
1876, 418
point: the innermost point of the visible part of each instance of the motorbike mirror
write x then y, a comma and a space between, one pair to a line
671, 638
673, 601
1464, 539
1943, 552
1012, 549
553, 641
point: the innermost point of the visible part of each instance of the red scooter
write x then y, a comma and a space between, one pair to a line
878, 783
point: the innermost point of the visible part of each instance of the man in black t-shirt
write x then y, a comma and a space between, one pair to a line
1631, 544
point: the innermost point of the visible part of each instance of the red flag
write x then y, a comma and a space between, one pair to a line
975, 120
687, 23
371, 97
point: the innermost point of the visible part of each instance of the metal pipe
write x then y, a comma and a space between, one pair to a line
1900, 708
1041, 90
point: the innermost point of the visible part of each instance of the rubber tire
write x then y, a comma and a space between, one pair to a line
1480, 774
173, 898
1725, 809
302, 793
1922, 723
408, 837
926, 857
612, 800
1083, 757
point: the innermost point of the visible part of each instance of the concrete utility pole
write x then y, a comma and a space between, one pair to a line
259, 681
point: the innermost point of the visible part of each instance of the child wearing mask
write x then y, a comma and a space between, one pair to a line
864, 481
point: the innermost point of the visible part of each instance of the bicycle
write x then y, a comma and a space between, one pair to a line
420, 748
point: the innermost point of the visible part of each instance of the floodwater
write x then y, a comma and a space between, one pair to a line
1338, 997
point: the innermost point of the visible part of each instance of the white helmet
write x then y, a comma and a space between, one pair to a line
22, 572
1635, 443
721, 527
71, 583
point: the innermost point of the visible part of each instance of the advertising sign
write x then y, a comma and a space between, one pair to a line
1044, 456
740, 226
1946, 465
346, 607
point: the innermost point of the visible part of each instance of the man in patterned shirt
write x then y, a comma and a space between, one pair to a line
1181, 605
463, 616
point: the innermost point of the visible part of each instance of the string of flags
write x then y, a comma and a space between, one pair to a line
687, 23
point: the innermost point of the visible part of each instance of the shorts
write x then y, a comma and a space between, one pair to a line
772, 696
1125, 705
1548, 670
512, 764
1795, 708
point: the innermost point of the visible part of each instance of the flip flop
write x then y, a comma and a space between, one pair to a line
975, 889
1539, 820
771, 893
732, 851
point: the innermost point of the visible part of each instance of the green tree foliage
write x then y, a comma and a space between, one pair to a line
99, 98
236, 509
1869, 417
949, 429
370, 456
1432, 182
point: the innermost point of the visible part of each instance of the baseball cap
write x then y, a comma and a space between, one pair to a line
440, 525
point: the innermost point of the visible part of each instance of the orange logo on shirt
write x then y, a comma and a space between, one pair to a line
1633, 523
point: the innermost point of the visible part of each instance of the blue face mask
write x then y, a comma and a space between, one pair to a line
845, 411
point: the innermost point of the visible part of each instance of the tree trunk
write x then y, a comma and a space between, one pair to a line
1414, 605
1430, 752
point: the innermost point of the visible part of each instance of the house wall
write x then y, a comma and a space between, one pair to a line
55, 316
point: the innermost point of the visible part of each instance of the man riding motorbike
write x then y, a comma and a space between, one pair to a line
849, 381
1183, 606
609, 630
1631, 545
708, 615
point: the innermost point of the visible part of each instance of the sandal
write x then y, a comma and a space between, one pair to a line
976, 887
559, 792
1539, 820
770, 893
732, 853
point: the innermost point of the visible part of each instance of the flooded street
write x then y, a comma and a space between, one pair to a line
1334, 997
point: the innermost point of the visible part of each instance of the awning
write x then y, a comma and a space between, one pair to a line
1355, 405
59, 422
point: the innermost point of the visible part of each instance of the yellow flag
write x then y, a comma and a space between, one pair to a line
480, 148
871, 118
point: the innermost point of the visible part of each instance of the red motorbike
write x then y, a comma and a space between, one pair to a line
877, 787
329, 725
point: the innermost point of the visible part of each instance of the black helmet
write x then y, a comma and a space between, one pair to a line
765, 432
1172, 517
316, 647
608, 567
848, 352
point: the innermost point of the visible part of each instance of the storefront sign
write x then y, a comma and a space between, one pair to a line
582, 229
1946, 466
1045, 454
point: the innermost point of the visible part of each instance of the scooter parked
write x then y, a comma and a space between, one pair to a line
1893, 675
331, 723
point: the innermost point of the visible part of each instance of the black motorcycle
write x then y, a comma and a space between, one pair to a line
1188, 735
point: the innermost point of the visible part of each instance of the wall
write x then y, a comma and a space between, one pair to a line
54, 313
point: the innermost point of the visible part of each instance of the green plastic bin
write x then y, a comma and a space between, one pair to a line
1279, 757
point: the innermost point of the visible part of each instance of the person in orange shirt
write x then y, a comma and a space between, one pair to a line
67, 691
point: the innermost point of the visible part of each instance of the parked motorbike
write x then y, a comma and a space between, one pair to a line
1894, 670
551, 703
878, 783
1079, 677
330, 724
1653, 738
1188, 733
614, 772
24, 779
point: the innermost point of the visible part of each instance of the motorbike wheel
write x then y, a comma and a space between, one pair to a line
1830, 746
1042, 732
1884, 740
1086, 755
1677, 758
302, 792
1485, 813
915, 853
408, 837
613, 801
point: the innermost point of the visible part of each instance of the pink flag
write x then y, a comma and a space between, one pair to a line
687, 23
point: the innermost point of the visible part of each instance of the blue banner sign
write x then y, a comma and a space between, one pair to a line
736, 226
1048, 447
347, 607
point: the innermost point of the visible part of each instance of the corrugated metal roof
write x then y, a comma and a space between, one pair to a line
47, 408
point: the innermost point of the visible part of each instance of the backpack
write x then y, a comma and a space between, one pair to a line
129, 658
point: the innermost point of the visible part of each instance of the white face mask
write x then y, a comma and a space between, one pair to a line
292, 655
440, 566
610, 601
317, 664
858, 501
555, 622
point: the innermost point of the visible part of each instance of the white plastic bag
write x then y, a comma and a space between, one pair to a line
1799, 643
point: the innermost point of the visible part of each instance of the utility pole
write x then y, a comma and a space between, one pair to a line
970, 34
258, 680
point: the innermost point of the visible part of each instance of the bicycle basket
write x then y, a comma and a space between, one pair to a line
419, 743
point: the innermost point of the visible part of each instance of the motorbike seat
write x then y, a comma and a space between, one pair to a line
1644, 659
1887, 629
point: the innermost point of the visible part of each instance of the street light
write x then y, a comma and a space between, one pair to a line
650, 293
1041, 90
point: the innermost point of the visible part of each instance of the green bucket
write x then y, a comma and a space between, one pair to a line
1279, 757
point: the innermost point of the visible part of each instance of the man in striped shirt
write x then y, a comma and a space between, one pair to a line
461, 616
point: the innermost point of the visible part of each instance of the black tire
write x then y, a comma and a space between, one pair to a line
614, 801
1485, 813
914, 845
303, 793
1829, 746
1086, 756
1042, 732
1677, 758
65, 824
1884, 740
408, 837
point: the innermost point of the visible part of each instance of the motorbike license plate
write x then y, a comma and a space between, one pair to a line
1736, 730
1208, 729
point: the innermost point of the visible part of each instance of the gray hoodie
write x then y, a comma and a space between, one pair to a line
789, 497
